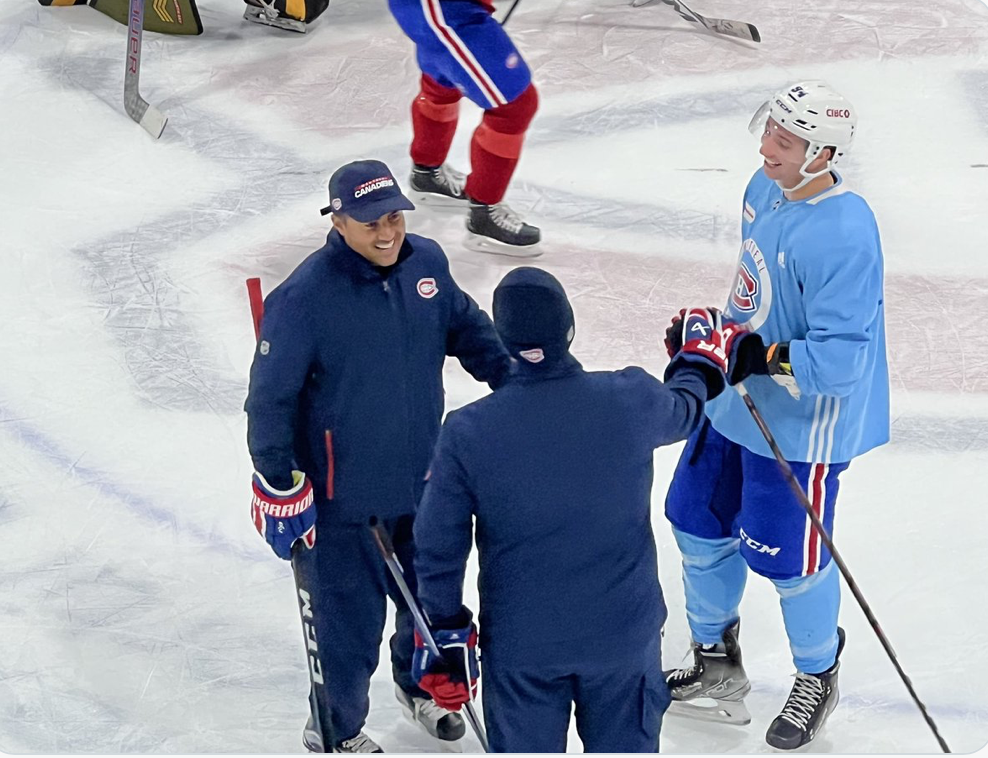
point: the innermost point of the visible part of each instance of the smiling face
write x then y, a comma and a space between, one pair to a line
378, 241
785, 154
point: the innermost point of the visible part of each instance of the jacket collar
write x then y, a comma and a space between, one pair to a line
523, 372
356, 264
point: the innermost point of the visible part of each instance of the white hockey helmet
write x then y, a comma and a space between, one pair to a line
816, 112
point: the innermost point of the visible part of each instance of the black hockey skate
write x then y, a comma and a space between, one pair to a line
813, 698
498, 229
445, 726
438, 186
714, 687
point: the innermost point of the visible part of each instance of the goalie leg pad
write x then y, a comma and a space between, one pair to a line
162, 16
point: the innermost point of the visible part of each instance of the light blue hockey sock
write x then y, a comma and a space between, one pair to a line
809, 608
714, 574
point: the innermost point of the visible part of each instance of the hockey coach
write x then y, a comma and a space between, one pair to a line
344, 408
556, 468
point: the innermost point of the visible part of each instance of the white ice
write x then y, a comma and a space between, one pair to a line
139, 611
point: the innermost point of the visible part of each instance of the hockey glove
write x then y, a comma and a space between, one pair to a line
695, 339
445, 677
747, 355
281, 517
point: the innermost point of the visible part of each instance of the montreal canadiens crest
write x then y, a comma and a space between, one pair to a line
427, 287
751, 297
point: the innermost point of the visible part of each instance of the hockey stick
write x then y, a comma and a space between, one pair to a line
150, 118
845, 572
388, 553
323, 727
727, 27
510, 11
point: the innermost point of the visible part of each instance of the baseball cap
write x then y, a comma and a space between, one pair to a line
365, 191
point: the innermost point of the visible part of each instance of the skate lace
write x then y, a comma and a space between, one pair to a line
692, 670
804, 699
453, 180
506, 218
680, 675
360, 744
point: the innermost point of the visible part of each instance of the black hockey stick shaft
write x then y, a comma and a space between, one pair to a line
317, 682
510, 11
845, 572
383, 541
303, 596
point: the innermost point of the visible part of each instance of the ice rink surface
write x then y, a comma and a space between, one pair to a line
140, 612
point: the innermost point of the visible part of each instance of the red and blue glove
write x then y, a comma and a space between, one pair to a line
445, 677
283, 516
696, 339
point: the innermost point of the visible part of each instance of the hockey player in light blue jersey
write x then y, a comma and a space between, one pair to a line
810, 347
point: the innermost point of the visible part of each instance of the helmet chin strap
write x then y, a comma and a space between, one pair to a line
807, 178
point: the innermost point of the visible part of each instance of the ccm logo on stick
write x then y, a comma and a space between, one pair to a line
315, 668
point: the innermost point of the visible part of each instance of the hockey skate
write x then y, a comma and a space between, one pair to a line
439, 187
812, 699
312, 741
446, 726
498, 229
714, 687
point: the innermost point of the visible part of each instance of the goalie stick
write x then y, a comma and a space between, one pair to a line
804, 501
725, 26
321, 722
387, 552
150, 118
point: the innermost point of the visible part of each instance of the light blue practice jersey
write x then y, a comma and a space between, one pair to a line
810, 273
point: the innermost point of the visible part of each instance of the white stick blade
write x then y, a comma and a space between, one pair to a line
153, 121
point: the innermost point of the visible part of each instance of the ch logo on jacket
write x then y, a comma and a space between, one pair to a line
427, 287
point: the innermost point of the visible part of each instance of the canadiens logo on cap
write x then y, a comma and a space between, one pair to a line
374, 184
427, 287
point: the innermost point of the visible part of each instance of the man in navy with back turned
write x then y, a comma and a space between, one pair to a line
344, 407
556, 468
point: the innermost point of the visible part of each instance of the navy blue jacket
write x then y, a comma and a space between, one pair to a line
347, 374
557, 470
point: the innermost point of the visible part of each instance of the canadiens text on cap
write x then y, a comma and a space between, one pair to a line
365, 190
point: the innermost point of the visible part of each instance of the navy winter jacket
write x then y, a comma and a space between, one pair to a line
346, 383
556, 467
